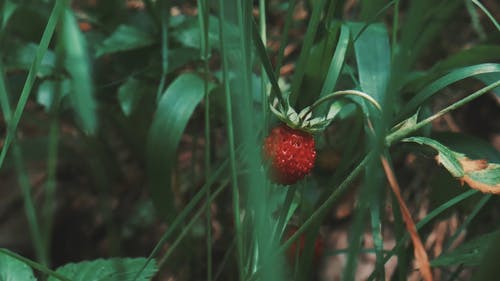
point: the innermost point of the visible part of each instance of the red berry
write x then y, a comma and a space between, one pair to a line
290, 153
299, 245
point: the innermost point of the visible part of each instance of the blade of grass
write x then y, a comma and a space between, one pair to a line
337, 62
399, 134
490, 16
319, 213
203, 14
309, 37
23, 179
180, 219
230, 137
55, 14
263, 80
78, 66
475, 21
421, 257
395, 27
191, 223
164, 6
290, 194
448, 79
433, 214
376, 225
478, 207
266, 63
284, 37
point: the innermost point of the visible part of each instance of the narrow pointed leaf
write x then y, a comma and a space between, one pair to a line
446, 80
78, 66
469, 254
373, 55
174, 111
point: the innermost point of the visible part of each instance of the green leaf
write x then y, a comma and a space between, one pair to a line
130, 94
46, 92
116, 269
478, 174
77, 64
489, 270
468, 254
174, 111
490, 78
471, 146
12, 269
20, 57
189, 33
445, 156
452, 77
373, 57
337, 62
125, 38
7, 9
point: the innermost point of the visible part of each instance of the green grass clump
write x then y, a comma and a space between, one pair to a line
162, 82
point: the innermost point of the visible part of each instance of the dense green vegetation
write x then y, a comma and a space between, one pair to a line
135, 128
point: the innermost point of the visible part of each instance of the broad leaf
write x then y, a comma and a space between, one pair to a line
373, 55
125, 38
478, 174
174, 111
116, 269
12, 269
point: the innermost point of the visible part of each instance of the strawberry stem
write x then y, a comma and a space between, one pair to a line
341, 93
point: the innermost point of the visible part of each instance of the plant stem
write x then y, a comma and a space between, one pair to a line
322, 209
56, 13
399, 134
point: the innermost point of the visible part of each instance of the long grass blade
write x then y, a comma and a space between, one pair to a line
56, 13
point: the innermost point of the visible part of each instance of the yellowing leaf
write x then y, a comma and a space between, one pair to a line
477, 173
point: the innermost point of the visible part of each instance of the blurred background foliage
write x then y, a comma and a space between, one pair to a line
119, 99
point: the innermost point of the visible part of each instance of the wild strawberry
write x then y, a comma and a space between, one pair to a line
290, 153
298, 245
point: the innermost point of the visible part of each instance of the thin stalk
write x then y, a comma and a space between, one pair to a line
50, 187
23, 179
399, 134
436, 212
395, 26
266, 63
263, 80
164, 15
468, 220
284, 36
204, 54
490, 16
318, 213
341, 93
322, 209
182, 216
290, 194
230, 136
56, 13
306, 49
188, 227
